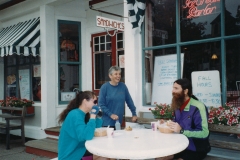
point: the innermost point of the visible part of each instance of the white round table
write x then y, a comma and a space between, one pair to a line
137, 144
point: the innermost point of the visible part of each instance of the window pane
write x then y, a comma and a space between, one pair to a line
109, 46
232, 64
160, 22
36, 59
36, 82
11, 60
201, 57
24, 59
96, 40
69, 42
102, 39
102, 65
69, 80
149, 73
108, 38
102, 47
232, 17
120, 44
96, 48
200, 20
11, 82
119, 36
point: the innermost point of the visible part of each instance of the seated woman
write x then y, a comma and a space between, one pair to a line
78, 125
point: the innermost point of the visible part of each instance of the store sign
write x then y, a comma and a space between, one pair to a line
201, 7
160, 33
109, 23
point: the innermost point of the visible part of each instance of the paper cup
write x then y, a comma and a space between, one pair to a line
154, 126
110, 132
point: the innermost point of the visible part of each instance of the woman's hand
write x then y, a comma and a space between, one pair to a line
134, 118
114, 117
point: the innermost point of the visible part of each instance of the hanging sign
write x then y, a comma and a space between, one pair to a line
109, 23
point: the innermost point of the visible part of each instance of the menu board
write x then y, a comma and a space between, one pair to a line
165, 73
24, 82
206, 87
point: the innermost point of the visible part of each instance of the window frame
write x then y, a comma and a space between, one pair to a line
79, 62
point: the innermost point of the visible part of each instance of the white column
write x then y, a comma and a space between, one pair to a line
133, 62
49, 70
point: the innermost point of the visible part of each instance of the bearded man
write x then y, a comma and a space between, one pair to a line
191, 120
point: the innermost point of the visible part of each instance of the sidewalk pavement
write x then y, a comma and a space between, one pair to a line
16, 151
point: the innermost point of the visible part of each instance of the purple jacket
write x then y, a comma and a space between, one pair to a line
194, 120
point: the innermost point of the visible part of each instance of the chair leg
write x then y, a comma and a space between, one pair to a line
23, 134
7, 136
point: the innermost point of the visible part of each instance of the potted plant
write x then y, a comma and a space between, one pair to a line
16, 102
162, 111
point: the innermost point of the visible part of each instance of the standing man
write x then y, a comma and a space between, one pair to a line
191, 120
112, 98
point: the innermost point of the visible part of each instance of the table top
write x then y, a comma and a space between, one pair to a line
137, 144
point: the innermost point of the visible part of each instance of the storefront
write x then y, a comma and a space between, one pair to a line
75, 53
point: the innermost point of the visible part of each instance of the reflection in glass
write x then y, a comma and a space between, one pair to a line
160, 22
102, 65
232, 17
199, 58
232, 63
200, 20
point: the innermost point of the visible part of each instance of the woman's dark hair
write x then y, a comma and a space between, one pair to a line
75, 103
186, 84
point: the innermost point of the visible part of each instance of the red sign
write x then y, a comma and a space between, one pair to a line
200, 7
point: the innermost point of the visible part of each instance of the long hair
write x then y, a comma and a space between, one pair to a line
186, 84
75, 103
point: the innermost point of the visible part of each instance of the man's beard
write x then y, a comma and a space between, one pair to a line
177, 100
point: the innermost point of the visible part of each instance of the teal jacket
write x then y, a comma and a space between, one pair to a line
74, 133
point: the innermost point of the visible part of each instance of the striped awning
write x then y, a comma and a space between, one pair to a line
21, 39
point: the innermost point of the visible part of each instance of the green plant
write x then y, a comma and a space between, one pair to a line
224, 115
162, 111
16, 102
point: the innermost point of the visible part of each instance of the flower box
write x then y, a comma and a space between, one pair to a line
30, 111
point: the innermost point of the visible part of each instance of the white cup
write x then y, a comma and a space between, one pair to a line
154, 126
110, 132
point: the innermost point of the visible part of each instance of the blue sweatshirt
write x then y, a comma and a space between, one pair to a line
74, 133
194, 120
112, 101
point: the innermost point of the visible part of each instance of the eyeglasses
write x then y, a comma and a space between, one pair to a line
95, 101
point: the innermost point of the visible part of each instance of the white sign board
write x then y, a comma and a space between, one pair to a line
109, 23
165, 73
24, 83
206, 87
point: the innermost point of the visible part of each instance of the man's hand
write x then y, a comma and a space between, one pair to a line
134, 118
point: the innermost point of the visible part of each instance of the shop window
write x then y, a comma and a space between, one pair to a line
160, 22
107, 51
22, 77
217, 50
69, 64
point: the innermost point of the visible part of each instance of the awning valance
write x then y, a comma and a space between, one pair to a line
22, 38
